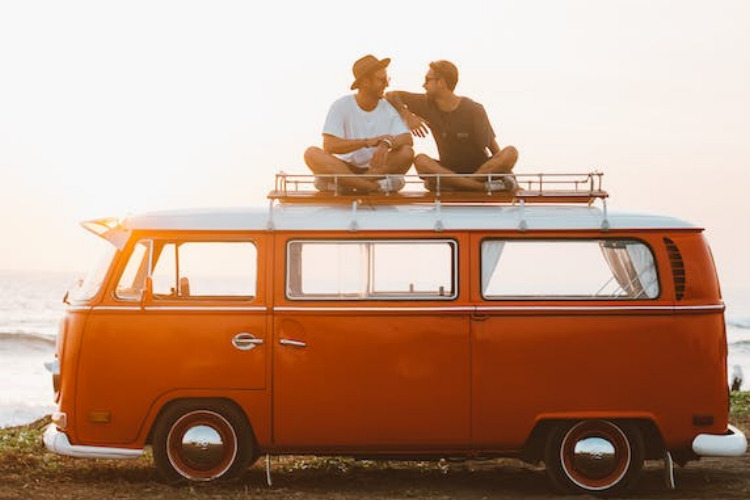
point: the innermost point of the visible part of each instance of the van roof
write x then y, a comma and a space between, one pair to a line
366, 217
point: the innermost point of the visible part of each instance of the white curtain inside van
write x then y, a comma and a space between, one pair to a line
633, 267
491, 252
643, 261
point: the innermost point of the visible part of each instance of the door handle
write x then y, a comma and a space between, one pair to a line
293, 343
245, 341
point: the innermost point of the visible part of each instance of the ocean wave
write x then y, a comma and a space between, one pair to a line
21, 414
739, 346
743, 323
27, 338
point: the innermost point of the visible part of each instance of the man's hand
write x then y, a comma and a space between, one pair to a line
378, 158
418, 126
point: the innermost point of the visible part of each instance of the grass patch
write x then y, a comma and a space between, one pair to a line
739, 406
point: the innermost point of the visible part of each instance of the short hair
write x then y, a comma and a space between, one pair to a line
447, 71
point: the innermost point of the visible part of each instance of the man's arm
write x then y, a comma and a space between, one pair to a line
402, 140
395, 97
416, 123
338, 145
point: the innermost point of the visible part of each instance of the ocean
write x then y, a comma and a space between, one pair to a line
31, 307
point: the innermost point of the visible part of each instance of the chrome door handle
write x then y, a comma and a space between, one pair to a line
293, 343
245, 341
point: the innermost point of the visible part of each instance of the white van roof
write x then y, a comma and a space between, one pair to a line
400, 217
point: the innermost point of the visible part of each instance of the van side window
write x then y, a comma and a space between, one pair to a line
568, 269
367, 270
130, 286
204, 270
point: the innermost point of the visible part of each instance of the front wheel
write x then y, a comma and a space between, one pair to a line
201, 442
597, 457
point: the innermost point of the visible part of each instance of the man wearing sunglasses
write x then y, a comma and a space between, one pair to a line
363, 134
465, 140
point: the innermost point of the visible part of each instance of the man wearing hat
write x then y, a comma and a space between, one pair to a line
363, 134
465, 140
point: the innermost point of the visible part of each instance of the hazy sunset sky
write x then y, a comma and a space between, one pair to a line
111, 108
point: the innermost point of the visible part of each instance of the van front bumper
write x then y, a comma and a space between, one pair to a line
58, 442
731, 444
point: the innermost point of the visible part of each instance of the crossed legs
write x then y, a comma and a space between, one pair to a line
321, 162
501, 163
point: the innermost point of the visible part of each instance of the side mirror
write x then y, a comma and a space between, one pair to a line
147, 296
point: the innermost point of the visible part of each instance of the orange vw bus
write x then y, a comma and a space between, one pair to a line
534, 324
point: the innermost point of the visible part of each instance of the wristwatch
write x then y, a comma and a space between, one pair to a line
387, 143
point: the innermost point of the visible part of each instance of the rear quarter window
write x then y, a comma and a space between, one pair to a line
600, 269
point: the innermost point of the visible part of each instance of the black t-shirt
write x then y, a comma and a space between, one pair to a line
462, 135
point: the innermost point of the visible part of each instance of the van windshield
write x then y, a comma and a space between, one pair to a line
87, 288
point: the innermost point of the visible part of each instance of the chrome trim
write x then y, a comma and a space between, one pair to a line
79, 308
403, 309
700, 308
180, 308
245, 341
206, 308
499, 308
58, 442
374, 309
731, 444
600, 308
292, 343
116, 308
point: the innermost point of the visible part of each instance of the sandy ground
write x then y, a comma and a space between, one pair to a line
500, 479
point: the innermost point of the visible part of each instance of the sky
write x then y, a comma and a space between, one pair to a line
114, 108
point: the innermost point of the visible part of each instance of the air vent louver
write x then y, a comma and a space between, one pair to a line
678, 268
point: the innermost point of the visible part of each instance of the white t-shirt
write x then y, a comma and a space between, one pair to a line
347, 120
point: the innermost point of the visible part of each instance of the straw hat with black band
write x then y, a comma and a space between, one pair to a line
365, 66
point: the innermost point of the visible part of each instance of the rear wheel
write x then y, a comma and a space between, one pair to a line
202, 442
598, 457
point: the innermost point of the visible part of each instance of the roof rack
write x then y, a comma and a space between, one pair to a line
533, 188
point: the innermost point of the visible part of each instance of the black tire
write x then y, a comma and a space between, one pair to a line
202, 441
595, 457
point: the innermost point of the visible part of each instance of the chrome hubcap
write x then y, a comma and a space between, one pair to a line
202, 447
594, 457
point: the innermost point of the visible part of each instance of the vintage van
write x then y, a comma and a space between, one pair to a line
535, 325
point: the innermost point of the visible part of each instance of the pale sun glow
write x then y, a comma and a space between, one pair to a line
113, 108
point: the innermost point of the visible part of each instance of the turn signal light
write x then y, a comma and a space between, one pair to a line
99, 417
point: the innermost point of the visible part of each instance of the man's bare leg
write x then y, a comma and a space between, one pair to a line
426, 165
501, 163
397, 162
323, 163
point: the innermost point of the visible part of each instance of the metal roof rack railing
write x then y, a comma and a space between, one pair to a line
532, 188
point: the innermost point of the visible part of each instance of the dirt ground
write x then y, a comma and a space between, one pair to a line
44, 475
